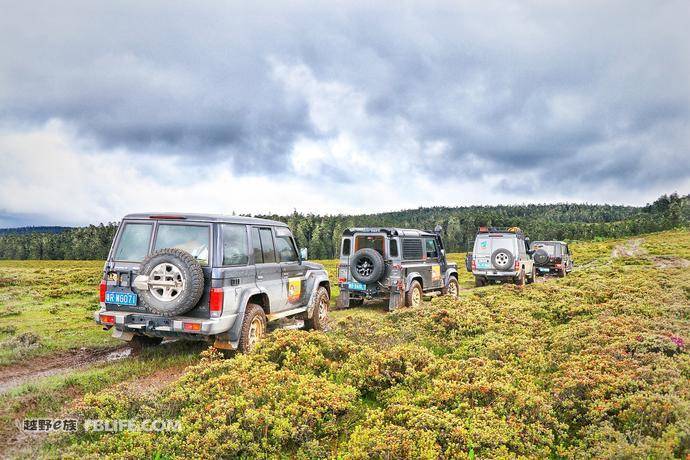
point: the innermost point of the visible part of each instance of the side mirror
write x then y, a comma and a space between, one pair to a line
443, 252
303, 253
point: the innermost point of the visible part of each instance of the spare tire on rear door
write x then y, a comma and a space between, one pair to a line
170, 282
502, 259
367, 265
540, 257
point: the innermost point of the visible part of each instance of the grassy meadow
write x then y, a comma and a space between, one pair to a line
592, 365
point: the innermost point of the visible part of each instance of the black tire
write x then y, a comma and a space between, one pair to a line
319, 317
479, 281
562, 272
140, 342
453, 285
540, 257
468, 262
367, 266
411, 297
248, 340
533, 275
189, 272
502, 259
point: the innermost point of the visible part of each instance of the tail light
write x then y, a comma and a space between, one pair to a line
517, 265
108, 319
474, 264
104, 286
193, 327
216, 302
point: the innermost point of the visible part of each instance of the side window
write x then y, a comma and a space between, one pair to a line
267, 248
235, 245
256, 247
412, 248
286, 249
430, 249
347, 244
393, 248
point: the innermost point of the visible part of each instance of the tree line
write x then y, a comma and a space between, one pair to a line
321, 234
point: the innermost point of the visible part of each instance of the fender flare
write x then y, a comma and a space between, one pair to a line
450, 272
315, 278
410, 277
234, 332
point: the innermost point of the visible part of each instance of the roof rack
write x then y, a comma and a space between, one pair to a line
516, 230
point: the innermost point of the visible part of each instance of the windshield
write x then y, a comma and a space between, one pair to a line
487, 244
190, 238
550, 248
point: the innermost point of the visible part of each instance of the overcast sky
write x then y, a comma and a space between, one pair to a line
115, 107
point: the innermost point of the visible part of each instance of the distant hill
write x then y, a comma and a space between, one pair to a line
321, 234
25, 230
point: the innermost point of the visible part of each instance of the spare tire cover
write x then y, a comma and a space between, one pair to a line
541, 257
175, 282
367, 266
502, 259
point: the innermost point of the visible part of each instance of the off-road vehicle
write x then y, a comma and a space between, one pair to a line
552, 257
206, 277
397, 264
501, 255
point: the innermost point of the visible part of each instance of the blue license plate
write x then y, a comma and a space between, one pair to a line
121, 298
483, 265
357, 286
543, 269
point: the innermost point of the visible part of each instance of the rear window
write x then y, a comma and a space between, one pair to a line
370, 241
551, 249
487, 244
191, 238
134, 243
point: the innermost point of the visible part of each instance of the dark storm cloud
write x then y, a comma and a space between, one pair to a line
508, 88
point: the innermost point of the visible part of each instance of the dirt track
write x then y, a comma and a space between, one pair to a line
17, 374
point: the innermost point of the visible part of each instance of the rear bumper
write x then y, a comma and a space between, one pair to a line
495, 274
123, 322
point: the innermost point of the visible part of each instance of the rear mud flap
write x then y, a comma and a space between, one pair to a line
396, 300
343, 300
122, 335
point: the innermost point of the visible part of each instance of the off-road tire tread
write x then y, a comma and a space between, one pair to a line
249, 313
314, 323
453, 280
195, 283
378, 269
408, 294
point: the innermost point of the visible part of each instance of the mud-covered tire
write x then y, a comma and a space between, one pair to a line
502, 259
254, 317
562, 272
479, 281
186, 268
139, 342
540, 257
413, 296
533, 275
367, 266
453, 288
319, 317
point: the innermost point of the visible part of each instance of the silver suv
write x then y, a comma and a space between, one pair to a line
205, 277
501, 255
